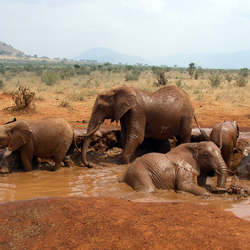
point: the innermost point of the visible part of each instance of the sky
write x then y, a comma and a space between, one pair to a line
145, 28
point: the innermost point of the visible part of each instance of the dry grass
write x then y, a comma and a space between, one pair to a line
78, 88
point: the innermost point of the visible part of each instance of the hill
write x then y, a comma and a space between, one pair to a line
8, 50
102, 55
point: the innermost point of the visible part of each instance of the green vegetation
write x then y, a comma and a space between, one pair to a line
79, 81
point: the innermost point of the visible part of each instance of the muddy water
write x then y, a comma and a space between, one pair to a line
80, 181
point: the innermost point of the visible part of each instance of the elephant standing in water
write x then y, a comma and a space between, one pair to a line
163, 114
50, 137
184, 168
225, 136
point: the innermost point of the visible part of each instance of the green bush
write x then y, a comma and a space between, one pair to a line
132, 74
49, 78
241, 81
228, 77
215, 79
178, 83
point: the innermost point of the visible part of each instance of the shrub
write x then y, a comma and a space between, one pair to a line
131, 77
23, 98
228, 77
241, 81
244, 72
178, 83
49, 77
215, 79
64, 104
161, 78
133, 74
1, 84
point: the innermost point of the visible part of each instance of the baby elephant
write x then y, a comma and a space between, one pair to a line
184, 168
50, 137
225, 136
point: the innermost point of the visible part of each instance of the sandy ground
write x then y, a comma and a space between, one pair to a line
109, 223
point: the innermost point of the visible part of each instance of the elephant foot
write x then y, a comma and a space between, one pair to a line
4, 170
218, 190
125, 160
68, 162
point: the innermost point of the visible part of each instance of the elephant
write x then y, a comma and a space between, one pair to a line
225, 136
49, 137
184, 168
162, 114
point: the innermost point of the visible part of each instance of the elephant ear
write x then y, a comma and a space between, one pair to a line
185, 160
20, 133
125, 99
234, 123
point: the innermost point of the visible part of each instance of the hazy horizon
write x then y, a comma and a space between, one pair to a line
142, 28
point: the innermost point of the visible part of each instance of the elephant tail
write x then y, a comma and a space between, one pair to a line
204, 134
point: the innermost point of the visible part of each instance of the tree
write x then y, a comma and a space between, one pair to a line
191, 69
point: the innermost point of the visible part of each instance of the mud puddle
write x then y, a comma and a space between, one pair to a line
80, 181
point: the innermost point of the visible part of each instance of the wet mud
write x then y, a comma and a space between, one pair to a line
105, 150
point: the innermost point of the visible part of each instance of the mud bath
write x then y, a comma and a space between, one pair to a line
80, 181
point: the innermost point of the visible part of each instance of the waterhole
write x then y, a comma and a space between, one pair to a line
80, 181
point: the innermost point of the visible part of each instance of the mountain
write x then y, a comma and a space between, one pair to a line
102, 55
236, 60
7, 50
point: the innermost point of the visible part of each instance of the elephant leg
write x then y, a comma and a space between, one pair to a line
142, 183
130, 147
187, 182
201, 179
13, 156
123, 133
68, 162
186, 129
58, 162
226, 153
27, 161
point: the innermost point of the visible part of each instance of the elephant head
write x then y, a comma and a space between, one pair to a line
14, 134
111, 104
201, 158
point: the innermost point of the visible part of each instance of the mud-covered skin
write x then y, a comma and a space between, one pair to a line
184, 168
161, 115
225, 136
50, 137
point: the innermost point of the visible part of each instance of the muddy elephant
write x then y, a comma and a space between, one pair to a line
163, 114
225, 136
184, 168
50, 137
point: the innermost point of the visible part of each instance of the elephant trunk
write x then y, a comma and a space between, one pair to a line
90, 132
222, 174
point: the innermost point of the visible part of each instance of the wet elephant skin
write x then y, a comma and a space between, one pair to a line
161, 115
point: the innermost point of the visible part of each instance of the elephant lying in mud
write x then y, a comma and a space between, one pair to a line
50, 137
225, 136
161, 115
184, 168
